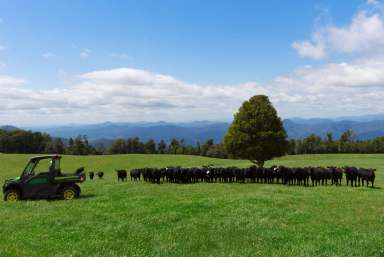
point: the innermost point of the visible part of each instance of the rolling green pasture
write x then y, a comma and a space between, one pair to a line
140, 219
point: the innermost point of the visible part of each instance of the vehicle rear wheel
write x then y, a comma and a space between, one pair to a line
12, 195
69, 193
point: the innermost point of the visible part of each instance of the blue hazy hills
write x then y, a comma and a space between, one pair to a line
364, 127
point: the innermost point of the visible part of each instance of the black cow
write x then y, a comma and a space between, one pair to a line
337, 175
121, 175
250, 173
259, 175
302, 176
283, 174
100, 174
351, 175
367, 175
316, 175
135, 175
239, 174
91, 175
268, 175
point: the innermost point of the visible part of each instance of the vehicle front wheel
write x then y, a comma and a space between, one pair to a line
12, 195
69, 193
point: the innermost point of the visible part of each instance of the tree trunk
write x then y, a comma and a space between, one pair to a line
260, 163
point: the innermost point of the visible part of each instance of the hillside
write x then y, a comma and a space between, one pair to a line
191, 132
8, 128
362, 130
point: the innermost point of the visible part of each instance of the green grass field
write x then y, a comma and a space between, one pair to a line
140, 219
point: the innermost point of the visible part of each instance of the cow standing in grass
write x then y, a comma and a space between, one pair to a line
121, 175
135, 175
337, 175
351, 175
367, 175
316, 175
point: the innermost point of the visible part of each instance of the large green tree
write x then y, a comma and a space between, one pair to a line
257, 133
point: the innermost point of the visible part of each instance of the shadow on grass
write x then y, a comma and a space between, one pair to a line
55, 199
367, 188
87, 196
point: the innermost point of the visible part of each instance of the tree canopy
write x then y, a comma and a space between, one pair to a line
257, 133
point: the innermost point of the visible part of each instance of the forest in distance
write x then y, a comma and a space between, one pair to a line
28, 142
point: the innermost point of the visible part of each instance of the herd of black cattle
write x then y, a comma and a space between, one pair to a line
276, 174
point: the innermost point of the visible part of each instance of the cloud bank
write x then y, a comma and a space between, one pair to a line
128, 94
124, 94
364, 35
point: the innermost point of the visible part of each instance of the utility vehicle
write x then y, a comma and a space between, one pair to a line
42, 178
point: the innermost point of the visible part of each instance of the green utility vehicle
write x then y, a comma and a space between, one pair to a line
44, 181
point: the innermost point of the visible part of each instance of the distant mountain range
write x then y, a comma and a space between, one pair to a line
8, 128
104, 133
364, 127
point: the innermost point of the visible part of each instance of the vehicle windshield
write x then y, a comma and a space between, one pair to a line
29, 169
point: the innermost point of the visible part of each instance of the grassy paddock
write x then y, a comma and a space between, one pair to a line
139, 219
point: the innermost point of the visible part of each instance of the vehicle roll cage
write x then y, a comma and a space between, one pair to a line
55, 165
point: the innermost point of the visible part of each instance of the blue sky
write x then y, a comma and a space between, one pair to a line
221, 47
196, 41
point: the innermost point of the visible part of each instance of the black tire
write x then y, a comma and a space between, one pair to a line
12, 195
69, 193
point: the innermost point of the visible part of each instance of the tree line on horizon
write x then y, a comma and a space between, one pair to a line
28, 142
347, 143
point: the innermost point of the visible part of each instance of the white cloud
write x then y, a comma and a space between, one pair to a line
85, 53
48, 55
334, 89
365, 34
125, 94
308, 49
373, 2
10, 82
